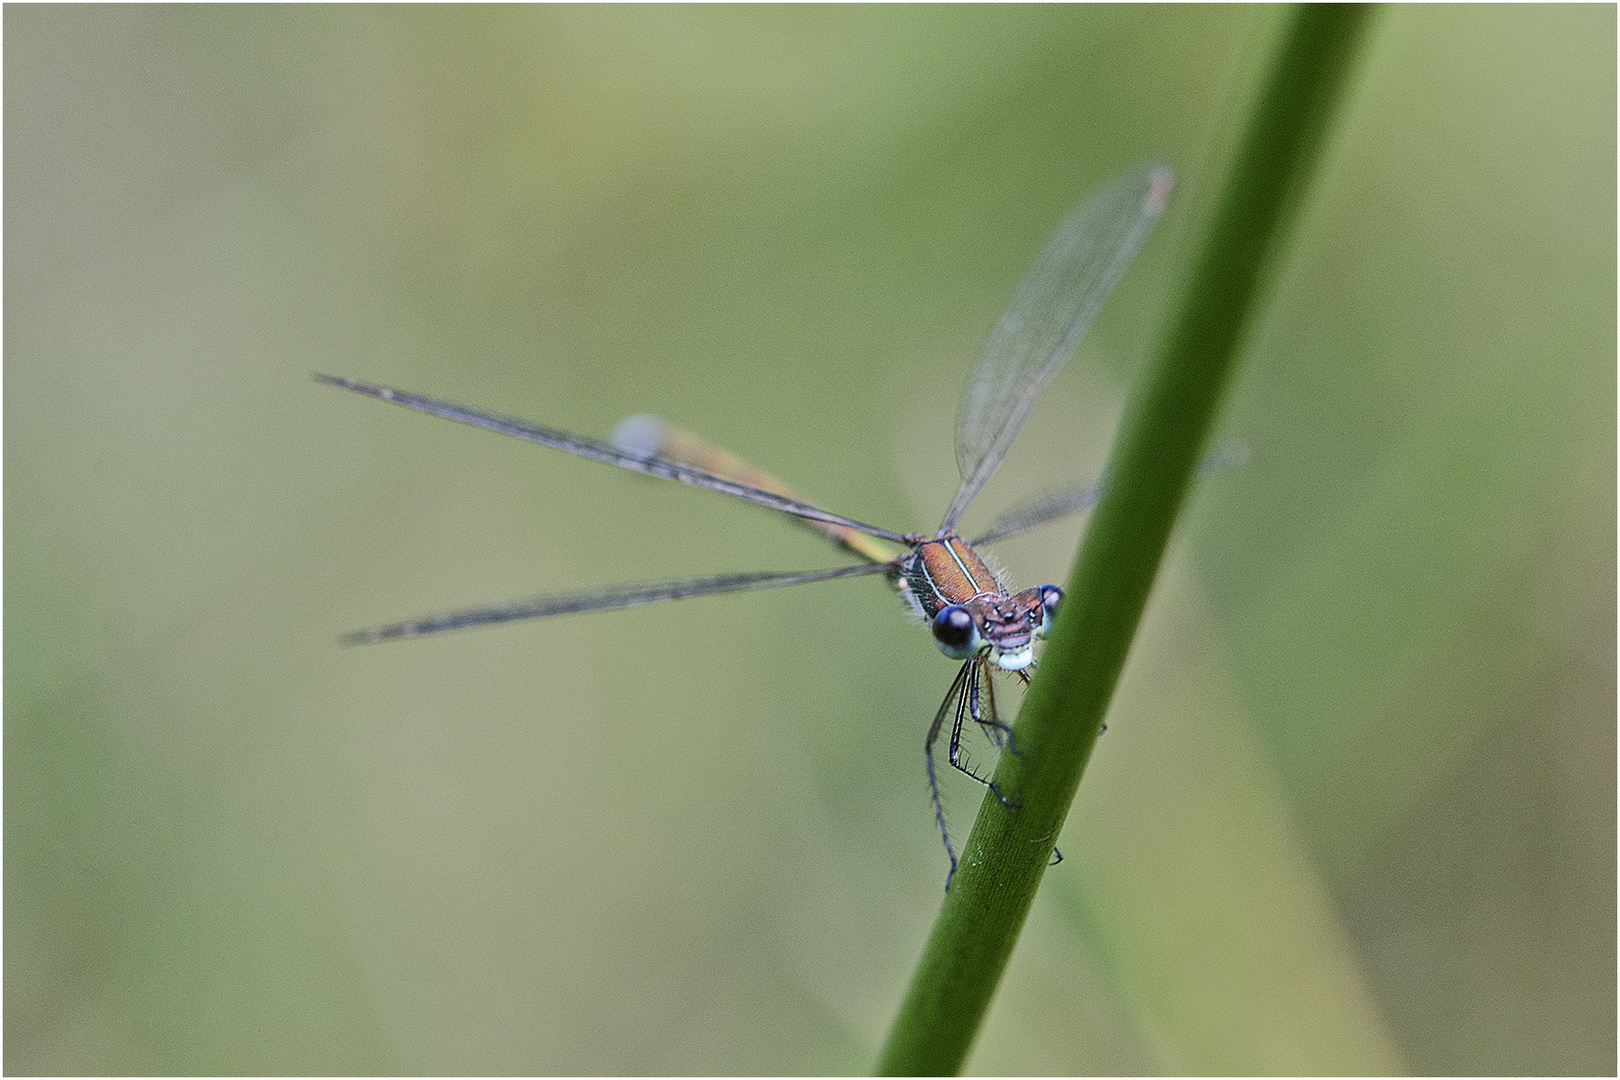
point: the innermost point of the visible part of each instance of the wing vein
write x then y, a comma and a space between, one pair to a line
1050, 312
607, 453
602, 599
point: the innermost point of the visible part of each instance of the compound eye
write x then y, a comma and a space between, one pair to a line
954, 630
1051, 596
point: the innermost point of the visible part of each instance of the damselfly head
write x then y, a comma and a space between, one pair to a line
1000, 629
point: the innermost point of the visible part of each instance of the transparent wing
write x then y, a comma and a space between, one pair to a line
1040, 510
648, 436
601, 599
1050, 312
607, 453
1049, 507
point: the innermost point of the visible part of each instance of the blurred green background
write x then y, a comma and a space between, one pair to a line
1355, 810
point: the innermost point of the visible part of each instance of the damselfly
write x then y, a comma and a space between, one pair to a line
974, 617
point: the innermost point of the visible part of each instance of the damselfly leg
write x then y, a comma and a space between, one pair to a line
962, 703
997, 731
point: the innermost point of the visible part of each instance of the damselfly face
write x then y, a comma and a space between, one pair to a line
1001, 630
974, 618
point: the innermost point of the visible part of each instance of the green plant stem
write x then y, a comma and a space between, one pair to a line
1152, 465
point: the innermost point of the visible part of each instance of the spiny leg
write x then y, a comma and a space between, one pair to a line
952, 696
998, 732
968, 705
